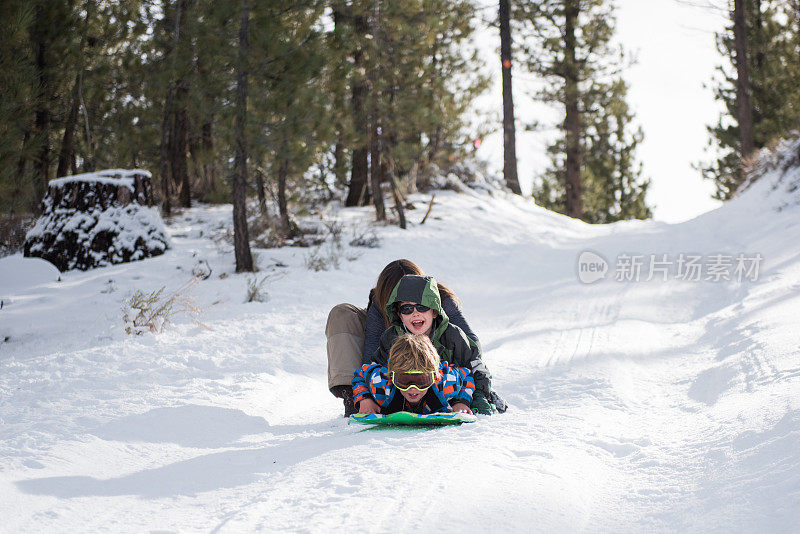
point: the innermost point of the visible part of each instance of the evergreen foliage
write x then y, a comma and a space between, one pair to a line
773, 42
17, 90
584, 71
422, 75
152, 84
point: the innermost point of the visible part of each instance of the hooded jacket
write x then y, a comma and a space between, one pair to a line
450, 341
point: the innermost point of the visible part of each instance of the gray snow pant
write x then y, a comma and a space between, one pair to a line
345, 333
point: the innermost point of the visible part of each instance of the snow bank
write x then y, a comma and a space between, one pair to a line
18, 273
635, 406
775, 174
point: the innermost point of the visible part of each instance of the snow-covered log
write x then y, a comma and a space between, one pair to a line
97, 219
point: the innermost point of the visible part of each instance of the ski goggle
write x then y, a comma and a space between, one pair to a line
408, 309
414, 379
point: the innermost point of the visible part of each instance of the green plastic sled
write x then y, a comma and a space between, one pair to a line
412, 419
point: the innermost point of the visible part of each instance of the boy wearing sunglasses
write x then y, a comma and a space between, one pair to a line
414, 307
416, 380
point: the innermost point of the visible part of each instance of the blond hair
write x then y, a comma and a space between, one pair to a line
413, 353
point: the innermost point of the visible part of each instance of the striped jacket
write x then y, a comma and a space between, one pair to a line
454, 385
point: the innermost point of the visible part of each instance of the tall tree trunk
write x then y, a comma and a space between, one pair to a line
339, 92
167, 121
433, 144
42, 115
375, 165
756, 55
358, 193
389, 168
206, 162
262, 196
375, 174
434, 136
164, 152
196, 169
66, 156
22, 161
283, 207
759, 28
744, 110
180, 129
42, 161
509, 129
209, 161
339, 161
743, 86
88, 160
398, 198
179, 145
241, 238
572, 121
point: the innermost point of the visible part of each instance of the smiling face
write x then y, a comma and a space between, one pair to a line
413, 364
418, 323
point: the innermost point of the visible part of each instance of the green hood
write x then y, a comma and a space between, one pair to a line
419, 290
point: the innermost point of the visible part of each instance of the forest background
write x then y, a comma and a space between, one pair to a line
296, 103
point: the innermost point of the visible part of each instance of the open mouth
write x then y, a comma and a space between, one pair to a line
418, 324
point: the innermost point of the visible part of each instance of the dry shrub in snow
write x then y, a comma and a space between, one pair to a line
365, 237
329, 253
150, 312
256, 292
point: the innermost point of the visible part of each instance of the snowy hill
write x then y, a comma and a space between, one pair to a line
667, 405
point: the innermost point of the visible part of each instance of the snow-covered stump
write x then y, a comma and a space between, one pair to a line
97, 219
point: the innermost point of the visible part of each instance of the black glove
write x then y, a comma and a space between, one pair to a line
481, 405
498, 402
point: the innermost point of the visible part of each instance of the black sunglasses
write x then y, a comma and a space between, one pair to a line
408, 309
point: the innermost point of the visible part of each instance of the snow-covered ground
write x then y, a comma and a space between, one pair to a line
662, 405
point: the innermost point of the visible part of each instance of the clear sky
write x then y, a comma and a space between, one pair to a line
674, 44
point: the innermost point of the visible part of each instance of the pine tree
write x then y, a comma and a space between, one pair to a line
338, 73
82, 117
773, 66
615, 187
152, 84
174, 134
108, 84
294, 113
593, 174
37, 38
66, 157
17, 87
422, 78
351, 27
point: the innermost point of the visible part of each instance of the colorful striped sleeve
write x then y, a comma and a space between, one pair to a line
369, 383
457, 384
361, 383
